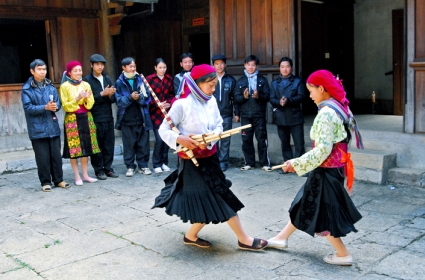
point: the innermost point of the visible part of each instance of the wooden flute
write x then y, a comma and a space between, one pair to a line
210, 137
189, 152
278, 166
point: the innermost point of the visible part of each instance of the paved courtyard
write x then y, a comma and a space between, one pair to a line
107, 230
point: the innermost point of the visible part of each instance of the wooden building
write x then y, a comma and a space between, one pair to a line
314, 33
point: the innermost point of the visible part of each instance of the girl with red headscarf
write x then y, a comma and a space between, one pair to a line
79, 128
200, 194
323, 206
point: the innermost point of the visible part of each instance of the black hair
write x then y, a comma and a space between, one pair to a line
36, 62
186, 55
207, 78
159, 60
252, 58
285, 58
128, 60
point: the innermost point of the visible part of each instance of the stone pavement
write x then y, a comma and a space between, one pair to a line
107, 230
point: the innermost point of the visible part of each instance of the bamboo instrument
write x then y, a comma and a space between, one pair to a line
210, 137
278, 166
189, 152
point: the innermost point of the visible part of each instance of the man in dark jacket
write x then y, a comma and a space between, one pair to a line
40, 101
224, 94
133, 117
103, 93
287, 95
252, 93
186, 62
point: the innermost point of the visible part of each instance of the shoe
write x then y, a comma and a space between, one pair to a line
257, 245
275, 243
101, 176
46, 188
145, 171
165, 168
112, 174
63, 185
90, 180
267, 168
130, 172
79, 182
201, 243
157, 170
246, 167
334, 259
283, 172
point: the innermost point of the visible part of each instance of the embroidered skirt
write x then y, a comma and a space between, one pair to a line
199, 194
323, 205
80, 135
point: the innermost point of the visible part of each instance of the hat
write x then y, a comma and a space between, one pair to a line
218, 57
201, 70
330, 83
71, 65
97, 58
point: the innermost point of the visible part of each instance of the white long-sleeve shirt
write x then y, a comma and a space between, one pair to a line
191, 116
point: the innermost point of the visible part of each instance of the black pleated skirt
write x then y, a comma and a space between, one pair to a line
199, 194
322, 204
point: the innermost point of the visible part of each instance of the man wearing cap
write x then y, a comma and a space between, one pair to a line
223, 93
103, 93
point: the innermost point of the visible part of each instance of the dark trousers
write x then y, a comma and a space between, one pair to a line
224, 144
259, 128
49, 160
297, 132
135, 140
102, 162
160, 151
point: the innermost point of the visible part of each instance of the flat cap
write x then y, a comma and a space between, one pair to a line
97, 58
218, 57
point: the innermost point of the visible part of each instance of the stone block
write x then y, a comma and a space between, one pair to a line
372, 166
407, 176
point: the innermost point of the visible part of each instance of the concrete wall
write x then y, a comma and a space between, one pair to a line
373, 47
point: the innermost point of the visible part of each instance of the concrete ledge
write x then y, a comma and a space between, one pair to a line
372, 166
407, 176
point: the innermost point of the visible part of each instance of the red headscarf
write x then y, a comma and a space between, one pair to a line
199, 71
331, 84
71, 65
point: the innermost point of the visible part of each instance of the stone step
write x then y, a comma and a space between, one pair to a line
406, 176
372, 165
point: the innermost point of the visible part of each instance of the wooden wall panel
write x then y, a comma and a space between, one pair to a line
265, 28
420, 31
76, 4
420, 98
76, 39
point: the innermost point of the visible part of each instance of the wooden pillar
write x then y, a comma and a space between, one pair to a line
106, 46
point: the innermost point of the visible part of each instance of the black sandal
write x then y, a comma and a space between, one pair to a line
201, 243
258, 245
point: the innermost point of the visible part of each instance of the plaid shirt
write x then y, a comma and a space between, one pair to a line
164, 91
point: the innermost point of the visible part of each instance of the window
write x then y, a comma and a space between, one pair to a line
21, 41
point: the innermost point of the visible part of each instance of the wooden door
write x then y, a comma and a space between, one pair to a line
398, 61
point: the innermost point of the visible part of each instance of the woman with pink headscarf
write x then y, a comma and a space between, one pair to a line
323, 206
200, 195
79, 128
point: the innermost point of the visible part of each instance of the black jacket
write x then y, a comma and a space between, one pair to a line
226, 98
252, 107
291, 113
102, 109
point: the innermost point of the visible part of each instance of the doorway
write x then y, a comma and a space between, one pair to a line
327, 42
199, 46
21, 41
398, 61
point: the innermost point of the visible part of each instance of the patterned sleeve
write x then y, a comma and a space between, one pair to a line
327, 130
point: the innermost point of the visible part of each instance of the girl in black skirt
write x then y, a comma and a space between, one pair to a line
323, 206
200, 195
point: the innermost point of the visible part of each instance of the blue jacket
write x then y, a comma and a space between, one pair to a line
40, 122
123, 100
252, 107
